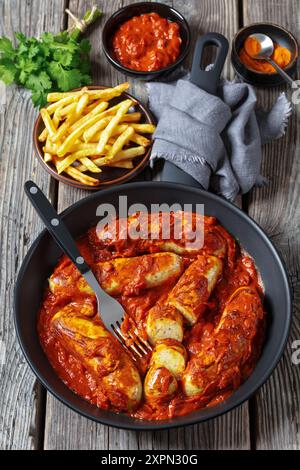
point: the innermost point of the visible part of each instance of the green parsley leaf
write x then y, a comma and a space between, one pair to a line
39, 98
7, 71
50, 63
6, 47
40, 82
63, 57
66, 79
85, 46
20, 37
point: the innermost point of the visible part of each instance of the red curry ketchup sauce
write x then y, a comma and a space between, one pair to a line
147, 42
239, 271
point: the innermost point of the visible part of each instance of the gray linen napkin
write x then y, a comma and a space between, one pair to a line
216, 139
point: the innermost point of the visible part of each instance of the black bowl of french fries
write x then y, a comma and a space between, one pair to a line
93, 137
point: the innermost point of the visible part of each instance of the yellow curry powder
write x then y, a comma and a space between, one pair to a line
251, 47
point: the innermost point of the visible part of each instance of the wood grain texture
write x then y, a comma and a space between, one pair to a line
19, 391
230, 431
65, 429
218, 16
276, 208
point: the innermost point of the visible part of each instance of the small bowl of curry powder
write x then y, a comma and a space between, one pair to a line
260, 72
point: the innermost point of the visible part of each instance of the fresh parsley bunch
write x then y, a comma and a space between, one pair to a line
51, 63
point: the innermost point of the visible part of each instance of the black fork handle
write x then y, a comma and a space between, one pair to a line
55, 225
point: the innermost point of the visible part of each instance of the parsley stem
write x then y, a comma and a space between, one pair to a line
80, 25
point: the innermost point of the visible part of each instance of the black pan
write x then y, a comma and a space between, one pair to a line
44, 254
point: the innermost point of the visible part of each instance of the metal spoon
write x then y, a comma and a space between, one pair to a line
267, 49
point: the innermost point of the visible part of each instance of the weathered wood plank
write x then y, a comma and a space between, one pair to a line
66, 430
277, 209
230, 431
19, 390
84, 434
218, 16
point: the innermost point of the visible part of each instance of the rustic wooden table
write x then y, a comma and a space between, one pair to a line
30, 418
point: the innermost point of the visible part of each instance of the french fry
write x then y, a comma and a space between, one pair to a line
95, 137
91, 131
108, 93
91, 106
48, 122
91, 147
82, 103
112, 140
140, 140
97, 111
67, 110
70, 140
106, 134
56, 118
63, 129
105, 94
125, 164
89, 153
119, 129
113, 109
43, 135
85, 134
62, 164
90, 165
61, 103
127, 154
79, 176
72, 157
144, 128
47, 157
132, 117
50, 148
120, 142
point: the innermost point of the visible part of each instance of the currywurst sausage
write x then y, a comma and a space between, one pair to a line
160, 384
225, 351
163, 322
167, 364
170, 354
121, 275
131, 275
83, 335
192, 291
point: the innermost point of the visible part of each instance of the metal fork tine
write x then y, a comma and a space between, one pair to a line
135, 338
138, 344
131, 346
140, 340
121, 340
146, 344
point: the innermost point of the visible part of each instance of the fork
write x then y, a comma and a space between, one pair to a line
111, 310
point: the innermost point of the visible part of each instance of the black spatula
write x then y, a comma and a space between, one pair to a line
207, 81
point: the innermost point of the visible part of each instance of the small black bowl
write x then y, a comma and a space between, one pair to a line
137, 9
277, 34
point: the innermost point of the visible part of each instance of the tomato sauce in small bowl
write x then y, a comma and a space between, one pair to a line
146, 40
